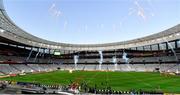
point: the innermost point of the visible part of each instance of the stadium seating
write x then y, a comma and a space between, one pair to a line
19, 68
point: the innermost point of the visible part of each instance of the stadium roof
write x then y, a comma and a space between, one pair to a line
12, 32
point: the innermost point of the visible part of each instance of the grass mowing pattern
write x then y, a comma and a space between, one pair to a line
117, 80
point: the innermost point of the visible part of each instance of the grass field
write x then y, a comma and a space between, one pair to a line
117, 80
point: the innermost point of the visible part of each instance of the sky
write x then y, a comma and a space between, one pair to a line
93, 21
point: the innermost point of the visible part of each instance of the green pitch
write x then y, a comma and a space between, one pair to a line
147, 81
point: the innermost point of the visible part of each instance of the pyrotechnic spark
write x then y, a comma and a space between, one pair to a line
54, 11
140, 10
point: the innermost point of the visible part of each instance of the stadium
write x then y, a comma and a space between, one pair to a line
30, 64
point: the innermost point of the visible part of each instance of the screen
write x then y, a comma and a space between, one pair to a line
57, 53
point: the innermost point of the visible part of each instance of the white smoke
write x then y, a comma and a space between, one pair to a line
86, 28
76, 58
101, 57
125, 57
114, 59
65, 25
